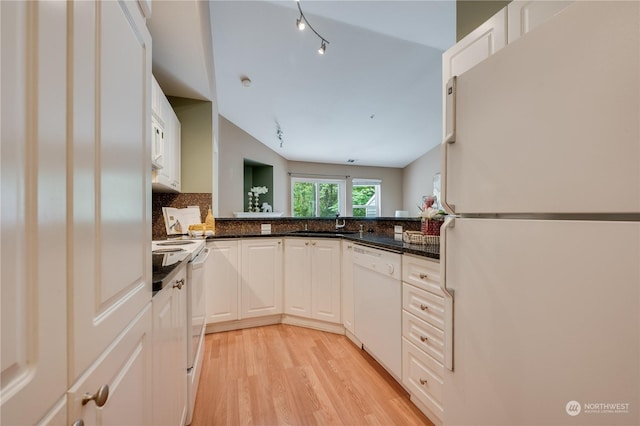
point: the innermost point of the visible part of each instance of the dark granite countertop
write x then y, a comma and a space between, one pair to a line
371, 239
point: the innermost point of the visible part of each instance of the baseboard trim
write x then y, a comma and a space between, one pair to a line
314, 324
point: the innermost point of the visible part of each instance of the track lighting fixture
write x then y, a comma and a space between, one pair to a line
300, 23
323, 47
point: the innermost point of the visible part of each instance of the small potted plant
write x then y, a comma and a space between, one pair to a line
432, 217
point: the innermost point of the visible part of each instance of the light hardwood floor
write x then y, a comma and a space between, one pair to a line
281, 374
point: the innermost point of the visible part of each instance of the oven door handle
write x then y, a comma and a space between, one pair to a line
200, 259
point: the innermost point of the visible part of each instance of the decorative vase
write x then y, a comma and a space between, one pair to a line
431, 227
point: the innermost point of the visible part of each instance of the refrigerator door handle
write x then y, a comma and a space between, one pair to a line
449, 223
449, 138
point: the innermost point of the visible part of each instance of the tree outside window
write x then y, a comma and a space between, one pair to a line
317, 197
365, 195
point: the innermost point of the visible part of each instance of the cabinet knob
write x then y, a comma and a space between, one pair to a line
99, 397
423, 307
423, 381
423, 339
423, 276
179, 284
313, 243
307, 243
78, 422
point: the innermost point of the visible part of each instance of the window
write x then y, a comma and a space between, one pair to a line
366, 197
317, 197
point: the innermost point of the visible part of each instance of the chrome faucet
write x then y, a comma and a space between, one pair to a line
338, 224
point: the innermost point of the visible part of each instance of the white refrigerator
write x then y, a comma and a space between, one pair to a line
541, 256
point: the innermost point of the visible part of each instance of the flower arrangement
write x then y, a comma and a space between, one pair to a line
432, 217
254, 196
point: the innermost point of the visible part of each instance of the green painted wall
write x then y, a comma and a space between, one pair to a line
470, 14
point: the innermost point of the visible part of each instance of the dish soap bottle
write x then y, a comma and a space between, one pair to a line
210, 223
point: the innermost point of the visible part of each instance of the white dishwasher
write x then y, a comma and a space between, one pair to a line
378, 305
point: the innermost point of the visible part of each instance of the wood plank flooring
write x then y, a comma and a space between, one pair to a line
287, 375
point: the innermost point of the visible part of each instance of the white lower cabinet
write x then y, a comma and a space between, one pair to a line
170, 352
423, 335
261, 286
223, 281
312, 278
121, 376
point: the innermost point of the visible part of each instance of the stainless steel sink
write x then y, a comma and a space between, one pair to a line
324, 232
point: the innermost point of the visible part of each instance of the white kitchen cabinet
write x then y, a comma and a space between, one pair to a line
166, 144
474, 48
34, 211
261, 268
423, 336
312, 278
126, 368
223, 281
76, 269
297, 277
170, 352
167, 177
348, 314
525, 15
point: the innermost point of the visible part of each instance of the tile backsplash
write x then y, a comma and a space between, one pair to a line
179, 201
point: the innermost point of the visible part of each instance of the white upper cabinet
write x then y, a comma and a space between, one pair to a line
110, 268
166, 143
34, 212
476, 46
525, 15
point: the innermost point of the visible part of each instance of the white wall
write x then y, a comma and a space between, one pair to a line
391, 187
417, 180
234, 146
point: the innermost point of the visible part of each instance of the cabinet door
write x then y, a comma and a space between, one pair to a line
325, 280
126, 369
261, 277
477, 46
110, 239
347, 286
222, 281
525, 15
33, 225
297, 277
170, 353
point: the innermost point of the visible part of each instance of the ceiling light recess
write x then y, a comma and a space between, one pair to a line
246, 81
300, 23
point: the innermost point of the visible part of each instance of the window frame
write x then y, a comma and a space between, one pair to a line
377, 183
342, 193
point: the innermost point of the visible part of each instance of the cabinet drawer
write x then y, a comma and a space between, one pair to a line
425, 336
422, 273
426, 306
422, 376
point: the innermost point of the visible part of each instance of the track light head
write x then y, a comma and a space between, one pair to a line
300, 23
323, 47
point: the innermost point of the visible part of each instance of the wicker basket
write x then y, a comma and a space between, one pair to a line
413, 237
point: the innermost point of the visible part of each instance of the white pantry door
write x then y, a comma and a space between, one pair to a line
33, 225
111, 241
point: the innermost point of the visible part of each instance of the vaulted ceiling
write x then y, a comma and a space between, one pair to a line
373, 97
